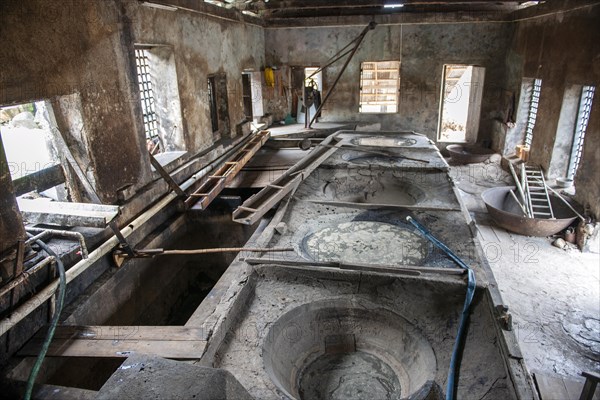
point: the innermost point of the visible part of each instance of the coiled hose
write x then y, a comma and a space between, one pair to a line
62, 288
466, 307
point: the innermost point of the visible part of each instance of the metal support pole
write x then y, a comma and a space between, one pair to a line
165, 175
369, 27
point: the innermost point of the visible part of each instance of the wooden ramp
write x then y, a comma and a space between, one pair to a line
177, 342
256, 206
210, 189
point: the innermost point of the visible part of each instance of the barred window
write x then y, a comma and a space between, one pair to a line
379, 86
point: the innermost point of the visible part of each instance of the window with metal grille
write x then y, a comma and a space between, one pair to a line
379, 86
533, 109
583, 116
147, 96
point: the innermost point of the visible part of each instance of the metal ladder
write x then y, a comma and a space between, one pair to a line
536, 192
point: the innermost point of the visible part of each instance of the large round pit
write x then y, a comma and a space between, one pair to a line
369, 242
346, 349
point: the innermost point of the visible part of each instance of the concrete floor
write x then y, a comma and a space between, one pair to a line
553, 294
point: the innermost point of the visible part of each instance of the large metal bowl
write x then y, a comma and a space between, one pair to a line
464, 154
505, 212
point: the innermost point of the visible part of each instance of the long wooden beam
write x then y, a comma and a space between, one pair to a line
40, 180
259, 204
215, 183
177, 342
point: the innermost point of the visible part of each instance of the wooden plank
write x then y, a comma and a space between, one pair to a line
227, 172
40, 180
121, 341
269, 196
67, 214
551, 387
133, 332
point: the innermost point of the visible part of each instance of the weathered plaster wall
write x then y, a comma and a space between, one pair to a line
202, 45
562, 49
422, 50
55, 49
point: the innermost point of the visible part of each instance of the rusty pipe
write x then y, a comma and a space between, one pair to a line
67, 234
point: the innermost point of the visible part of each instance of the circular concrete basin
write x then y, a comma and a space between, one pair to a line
383, 189
384, 141
368, 242
347, 349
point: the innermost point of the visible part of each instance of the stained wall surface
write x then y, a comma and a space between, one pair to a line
422, 49
562, 49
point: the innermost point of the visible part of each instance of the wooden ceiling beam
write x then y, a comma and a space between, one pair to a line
320, 4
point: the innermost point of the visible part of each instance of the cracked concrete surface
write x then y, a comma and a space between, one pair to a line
553, 294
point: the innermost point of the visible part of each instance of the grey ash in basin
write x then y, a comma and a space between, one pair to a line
369, 242
384, 141
347, 349
361, 187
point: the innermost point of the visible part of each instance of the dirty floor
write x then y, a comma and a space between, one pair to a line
553, 294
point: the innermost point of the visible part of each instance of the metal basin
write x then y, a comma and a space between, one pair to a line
505, 212
468, 154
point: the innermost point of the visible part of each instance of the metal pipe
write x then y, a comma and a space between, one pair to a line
25, 274
369, 27
67, 234
39, 236
43, 295
333, 60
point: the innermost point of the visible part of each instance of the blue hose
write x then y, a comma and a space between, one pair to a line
466, 307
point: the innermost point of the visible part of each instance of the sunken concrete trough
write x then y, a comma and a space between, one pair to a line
380, 187
327, 334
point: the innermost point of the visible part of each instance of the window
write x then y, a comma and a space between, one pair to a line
315, 80
379, 86
218, 105
212, 101
31, 154
148, 104
534, 103
159, 96
247, 95
460, 106
583, 116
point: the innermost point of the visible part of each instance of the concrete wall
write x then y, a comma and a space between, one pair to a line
202, 45
79, 55
422, 50
55, 49
562, 49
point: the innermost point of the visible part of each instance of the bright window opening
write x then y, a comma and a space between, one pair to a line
379, 87
462, 89
583, 116
313, 80
161, 107
148, 104
33, 161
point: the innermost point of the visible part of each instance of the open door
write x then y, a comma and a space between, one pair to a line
460, 106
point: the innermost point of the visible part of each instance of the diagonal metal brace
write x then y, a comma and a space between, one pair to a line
165, 175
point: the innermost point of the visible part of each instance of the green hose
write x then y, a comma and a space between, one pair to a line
62, 288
